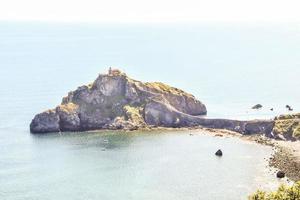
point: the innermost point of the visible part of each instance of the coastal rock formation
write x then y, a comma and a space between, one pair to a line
47, 121
289, 108
257, 106
115, 101
219, 153
287, 126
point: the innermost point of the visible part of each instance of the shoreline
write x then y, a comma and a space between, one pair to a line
285, 156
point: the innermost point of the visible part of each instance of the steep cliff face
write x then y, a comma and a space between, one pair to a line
119, 102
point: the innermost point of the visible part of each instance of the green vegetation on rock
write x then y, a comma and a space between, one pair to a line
288, 125
285, 126
161, 87
296, 132
134, 114
283, 193
289, 116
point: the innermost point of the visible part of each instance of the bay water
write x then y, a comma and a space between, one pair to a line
228, 67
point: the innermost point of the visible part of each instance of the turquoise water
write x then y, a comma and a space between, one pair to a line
229, 67
131, 166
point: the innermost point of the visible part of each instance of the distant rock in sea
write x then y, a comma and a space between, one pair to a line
257, 106
289, 108
115, 101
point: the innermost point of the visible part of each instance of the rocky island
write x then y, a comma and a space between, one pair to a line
116, 101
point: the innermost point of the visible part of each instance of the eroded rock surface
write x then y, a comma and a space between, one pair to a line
45, 122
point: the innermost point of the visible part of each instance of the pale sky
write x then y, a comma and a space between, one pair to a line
153, 11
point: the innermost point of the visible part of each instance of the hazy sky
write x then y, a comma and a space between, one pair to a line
152, 10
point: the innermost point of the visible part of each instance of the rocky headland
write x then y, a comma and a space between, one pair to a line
115, 101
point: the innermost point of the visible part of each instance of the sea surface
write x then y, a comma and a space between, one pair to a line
229, 67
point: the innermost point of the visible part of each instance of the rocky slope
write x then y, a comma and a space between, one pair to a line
118, 102
115, 101
287, 126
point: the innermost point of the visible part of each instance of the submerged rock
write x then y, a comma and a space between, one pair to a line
219, 153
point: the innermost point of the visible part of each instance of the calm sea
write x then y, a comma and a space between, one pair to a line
229, 67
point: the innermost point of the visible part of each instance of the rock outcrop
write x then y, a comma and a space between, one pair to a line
257, 106
115, 101
287, 126
219, 153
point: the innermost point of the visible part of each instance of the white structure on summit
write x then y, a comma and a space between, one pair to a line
113, 72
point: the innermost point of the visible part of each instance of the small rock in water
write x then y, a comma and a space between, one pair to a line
289, 107
257, 106
280, 174
219, 153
